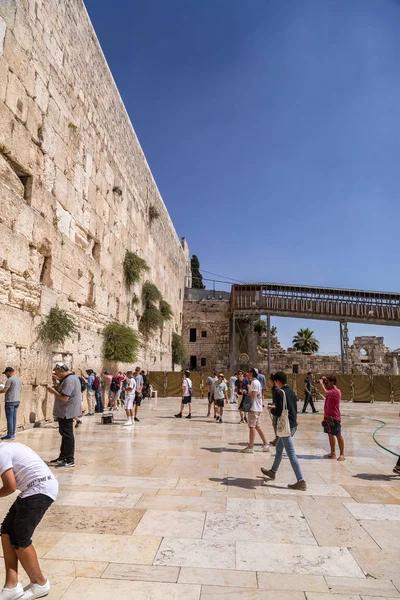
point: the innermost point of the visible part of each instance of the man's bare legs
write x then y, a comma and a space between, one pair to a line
332, 443
253, 436
10, 562
28, 559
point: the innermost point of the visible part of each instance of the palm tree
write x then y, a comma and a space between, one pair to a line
305, 342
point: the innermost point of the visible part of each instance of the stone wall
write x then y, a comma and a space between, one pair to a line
211, 321
75, 193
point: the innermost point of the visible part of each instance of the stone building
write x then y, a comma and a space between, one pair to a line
206, 330
206, 333
76, 193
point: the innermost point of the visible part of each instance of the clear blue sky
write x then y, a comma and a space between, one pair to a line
272, 129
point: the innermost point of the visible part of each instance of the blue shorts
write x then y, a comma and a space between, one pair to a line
187, 400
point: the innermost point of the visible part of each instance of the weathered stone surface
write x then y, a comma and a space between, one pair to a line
75, 193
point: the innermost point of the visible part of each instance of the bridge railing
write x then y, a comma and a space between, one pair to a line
341, 304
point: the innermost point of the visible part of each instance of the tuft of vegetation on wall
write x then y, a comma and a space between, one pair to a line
134, 266
57, 326
120, 342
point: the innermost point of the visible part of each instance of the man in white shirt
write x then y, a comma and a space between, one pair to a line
255, 393
232, 383
130, 391
21, 468
211, 380
187, 391
138, 392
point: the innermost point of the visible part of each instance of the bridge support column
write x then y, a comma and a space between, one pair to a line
344, 347
269, 341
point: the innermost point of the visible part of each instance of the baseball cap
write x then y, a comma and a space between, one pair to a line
8, 370
137, 369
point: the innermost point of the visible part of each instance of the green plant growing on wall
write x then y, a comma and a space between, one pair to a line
178, 350
166, 310
57, 326
151, 321
135, 300
120, 342
151, 295
153, 213
134, 266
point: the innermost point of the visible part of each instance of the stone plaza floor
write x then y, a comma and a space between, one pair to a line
170, 509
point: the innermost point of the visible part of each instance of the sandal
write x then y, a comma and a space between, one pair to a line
341, 458
329, 456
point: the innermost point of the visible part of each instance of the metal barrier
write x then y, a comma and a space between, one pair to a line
354, 388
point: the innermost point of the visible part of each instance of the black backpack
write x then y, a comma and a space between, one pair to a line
114, 387
83, 384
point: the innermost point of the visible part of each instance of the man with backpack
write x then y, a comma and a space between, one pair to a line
97, 393
187, 392
115, 390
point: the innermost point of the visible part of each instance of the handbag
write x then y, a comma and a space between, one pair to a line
282, 422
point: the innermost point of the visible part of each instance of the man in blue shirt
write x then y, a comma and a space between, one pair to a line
91, 392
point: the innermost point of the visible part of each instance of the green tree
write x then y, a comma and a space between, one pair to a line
260, 326
197, 277
305, 342
178, 350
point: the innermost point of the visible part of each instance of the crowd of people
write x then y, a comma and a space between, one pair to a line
21, 468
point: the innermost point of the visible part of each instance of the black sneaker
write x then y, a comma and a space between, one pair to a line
220, 420
189, 416
55, 461
136, 419
65, 465
315, 411
178, 416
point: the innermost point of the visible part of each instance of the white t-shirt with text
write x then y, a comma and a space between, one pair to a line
32, 475
257, 404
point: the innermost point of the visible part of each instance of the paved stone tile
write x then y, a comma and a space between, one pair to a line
170, 523
278, 528
100, 499
180, 552
381, 564
218, 577
312, 490
288, 558
375, 512
290, 581
263, 506
385, 533
220, 593
368, 586
104, 589
142, 573
94, 520
372, 494
335, 526
199, 504
109, 548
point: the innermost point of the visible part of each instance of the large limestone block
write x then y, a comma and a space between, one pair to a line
14, 250
16, 97
9, 178
16, 326
3, 78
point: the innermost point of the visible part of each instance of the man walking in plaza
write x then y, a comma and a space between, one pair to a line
138, 391
280, 396
12, 390
232, 388
22, 469
211, 380
187, 392
308, 388
67, 406
254, 417
332, 415
220, 395
130, 397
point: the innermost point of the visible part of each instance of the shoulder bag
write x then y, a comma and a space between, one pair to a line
282, 422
